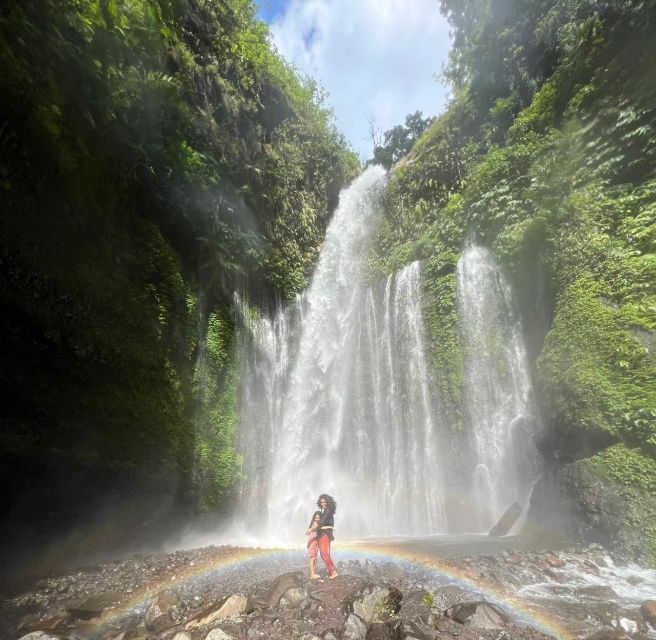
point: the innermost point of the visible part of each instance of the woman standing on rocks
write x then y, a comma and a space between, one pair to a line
326, 525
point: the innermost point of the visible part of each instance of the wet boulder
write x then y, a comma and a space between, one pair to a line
354, 628
416, 603
158, 614
389, 630
93, 606
597, 592
507, 520
482, 615
293, 597
648, 612
281, 584
446, 597
376, 602
218, 634
236, 605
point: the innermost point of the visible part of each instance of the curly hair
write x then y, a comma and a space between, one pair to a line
316, 513
330, 502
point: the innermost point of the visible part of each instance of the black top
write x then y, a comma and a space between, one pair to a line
327, 520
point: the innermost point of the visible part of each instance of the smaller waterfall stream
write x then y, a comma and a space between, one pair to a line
498, 389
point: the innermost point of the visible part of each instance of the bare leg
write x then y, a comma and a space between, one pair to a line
313, 572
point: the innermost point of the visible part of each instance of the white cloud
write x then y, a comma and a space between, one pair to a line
374, 57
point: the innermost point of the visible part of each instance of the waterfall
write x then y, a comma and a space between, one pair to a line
498, 393
339, 397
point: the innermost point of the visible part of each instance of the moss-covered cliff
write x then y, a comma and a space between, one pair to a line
547, 154
154, 157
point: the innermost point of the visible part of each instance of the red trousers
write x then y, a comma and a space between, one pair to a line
324, 550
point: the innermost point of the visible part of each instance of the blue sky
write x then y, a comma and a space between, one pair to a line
376, 58
269, 10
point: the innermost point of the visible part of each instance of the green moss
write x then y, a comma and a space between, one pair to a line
650, 546
629, 467
217, 375
446, 342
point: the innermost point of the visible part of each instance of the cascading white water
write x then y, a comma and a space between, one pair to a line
498, 393
337, 397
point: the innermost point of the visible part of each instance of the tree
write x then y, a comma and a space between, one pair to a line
399, 140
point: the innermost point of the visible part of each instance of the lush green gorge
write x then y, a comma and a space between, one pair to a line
155, 156
546, 153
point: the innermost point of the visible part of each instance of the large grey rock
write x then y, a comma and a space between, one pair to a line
93, 606
377, 602
218, 634
158, 614
293, 597
182, 635
281, 584
390, 630
354, 628
648, 612
507, 520
414, 604
581, 501
236, 605
41, 635
482, 615
446, 597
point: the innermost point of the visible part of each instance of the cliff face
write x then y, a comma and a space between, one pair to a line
546, 155
155, 156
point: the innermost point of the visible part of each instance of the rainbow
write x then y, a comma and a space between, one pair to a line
221, 559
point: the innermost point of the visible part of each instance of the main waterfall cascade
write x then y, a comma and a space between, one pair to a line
338, 396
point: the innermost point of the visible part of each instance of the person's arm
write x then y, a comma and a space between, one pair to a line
327, 520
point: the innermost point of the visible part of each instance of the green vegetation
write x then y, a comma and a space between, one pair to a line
399, 140
154, 157
546, 154
428, 599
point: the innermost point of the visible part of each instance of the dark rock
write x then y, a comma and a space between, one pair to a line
236, 605
376, 602
417, 630
554, 561
158, 614
483, 615
354, 628
599, 592
648, 612
390, 630
293, 597
580, 500
413, 604
281, 584
92, 607
513, 558
336, 593
507, 520
446, 597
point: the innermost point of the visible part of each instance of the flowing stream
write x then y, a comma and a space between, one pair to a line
339, 396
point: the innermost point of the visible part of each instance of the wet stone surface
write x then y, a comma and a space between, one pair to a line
225, 593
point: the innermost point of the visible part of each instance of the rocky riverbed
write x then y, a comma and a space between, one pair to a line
230, 593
